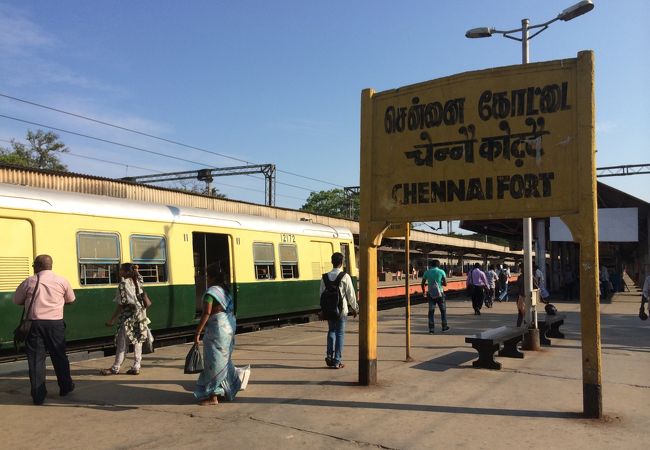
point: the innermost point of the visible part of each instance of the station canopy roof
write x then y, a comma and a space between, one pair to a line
608, 197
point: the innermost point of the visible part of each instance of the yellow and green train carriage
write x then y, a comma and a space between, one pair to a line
274, 266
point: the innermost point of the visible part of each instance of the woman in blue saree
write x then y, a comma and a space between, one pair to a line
220, 377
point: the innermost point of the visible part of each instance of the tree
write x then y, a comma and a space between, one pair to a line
196, 188
332, 203
39, 152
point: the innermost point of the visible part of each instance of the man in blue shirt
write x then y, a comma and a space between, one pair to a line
435, 278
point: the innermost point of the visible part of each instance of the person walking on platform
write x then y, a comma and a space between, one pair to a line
133, 324
569, 281
220, 377
645, 296
491, 276
43, 295
336, 326
436, 279
605, 289
477, 284
504, 277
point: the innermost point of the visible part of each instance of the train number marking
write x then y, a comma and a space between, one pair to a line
288, 238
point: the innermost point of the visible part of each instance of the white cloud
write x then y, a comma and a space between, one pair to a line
18, 34
26, 53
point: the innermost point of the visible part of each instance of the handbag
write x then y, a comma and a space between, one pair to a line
143, 297
22, 330
194, 360
642, 314
147, 345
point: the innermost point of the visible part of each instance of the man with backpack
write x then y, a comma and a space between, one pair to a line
337, 297
436, 279
504, 275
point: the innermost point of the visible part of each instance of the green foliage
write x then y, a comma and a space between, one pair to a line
332, 203
199, 188
39, 152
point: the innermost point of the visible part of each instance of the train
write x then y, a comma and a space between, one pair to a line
274, 266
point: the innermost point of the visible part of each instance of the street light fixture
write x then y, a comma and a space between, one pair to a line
569, 13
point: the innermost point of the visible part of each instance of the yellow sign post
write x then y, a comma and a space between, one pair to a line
507, 142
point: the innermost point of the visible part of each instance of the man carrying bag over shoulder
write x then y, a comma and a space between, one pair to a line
45, 294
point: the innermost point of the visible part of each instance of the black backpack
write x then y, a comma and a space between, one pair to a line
503, 277
331, 302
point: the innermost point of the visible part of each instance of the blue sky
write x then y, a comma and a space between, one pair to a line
280, 82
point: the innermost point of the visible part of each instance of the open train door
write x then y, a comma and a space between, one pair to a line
15, 265
210, 248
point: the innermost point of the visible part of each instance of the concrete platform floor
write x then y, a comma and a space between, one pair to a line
294, 401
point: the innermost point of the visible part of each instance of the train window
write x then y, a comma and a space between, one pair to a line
149, 253
264, 260
98, 255
289, 260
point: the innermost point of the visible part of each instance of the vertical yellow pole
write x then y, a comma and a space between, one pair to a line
585, 230
407, 271
369, 240
590, 295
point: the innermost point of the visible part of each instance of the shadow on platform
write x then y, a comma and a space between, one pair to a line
444, 362
411, 407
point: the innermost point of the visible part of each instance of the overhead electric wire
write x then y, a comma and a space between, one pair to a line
109, 162
107, 141
158, 171
170, 141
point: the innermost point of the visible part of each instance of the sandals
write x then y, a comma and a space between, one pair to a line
209, 401
111, 371
133, 371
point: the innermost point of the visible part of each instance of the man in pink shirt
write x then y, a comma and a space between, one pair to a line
477, 284
49, 293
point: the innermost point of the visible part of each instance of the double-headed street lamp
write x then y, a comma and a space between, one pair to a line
571, 12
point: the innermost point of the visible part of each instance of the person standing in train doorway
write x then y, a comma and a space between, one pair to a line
348, 301
44, 294
436, 279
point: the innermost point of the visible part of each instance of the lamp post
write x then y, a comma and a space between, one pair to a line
569, 13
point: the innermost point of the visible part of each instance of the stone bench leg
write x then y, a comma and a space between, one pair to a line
543, 338
486, 356
510, 348
554, 331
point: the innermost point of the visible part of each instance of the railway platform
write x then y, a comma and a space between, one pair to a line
294, 401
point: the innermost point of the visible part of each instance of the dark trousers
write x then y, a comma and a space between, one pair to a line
440, 302
47, 335
477, 297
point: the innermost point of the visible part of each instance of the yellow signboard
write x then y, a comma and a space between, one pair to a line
497, 143
396, 230
500, 143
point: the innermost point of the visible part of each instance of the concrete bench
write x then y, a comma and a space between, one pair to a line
490, 341
550, 328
